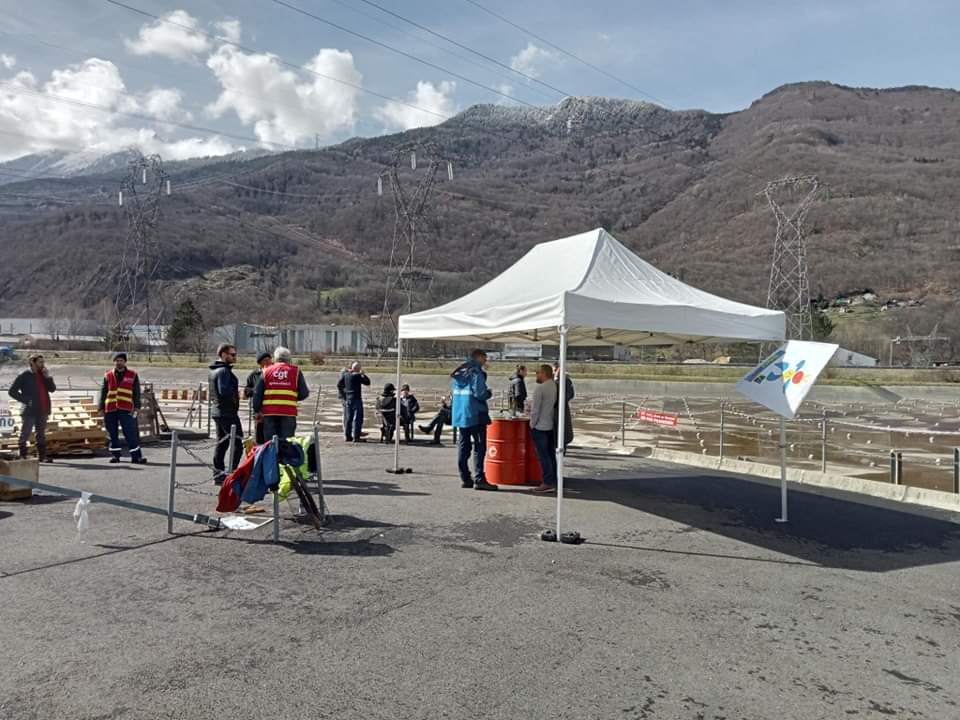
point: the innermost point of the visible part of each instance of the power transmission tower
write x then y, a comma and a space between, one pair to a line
409, 270
789, 288
141, 192
922, 348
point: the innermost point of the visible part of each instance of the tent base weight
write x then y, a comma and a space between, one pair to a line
571, 537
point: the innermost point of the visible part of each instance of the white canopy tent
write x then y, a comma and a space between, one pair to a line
587, 290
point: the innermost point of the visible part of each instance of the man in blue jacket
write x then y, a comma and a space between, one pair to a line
470, 393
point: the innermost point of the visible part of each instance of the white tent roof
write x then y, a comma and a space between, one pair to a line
602, 292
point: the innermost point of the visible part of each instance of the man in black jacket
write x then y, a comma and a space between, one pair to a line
518, 390
352, 387
225, 409
264, 360
32, 388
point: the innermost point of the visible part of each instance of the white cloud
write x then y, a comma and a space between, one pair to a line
506, 89
435, 98
228, 29
164, 103
35, 118
281, 106
531, 59
177, 41
8, 61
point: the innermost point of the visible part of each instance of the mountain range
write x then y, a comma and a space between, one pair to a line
305, 235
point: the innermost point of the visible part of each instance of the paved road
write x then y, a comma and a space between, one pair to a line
428, 601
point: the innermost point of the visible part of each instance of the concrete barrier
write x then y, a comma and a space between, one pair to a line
919, 501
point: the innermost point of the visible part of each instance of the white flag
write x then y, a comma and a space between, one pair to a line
782, 381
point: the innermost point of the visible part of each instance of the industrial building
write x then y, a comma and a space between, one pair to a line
336, 339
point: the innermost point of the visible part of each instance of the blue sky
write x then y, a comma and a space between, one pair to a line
58, 58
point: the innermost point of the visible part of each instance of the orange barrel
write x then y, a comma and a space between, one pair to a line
534, 471
506, 459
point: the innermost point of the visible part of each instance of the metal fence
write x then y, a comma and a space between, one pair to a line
908, 443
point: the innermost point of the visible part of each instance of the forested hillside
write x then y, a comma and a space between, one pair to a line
305, 236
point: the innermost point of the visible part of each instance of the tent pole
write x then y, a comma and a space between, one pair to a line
783, 471
396, 411
561, 421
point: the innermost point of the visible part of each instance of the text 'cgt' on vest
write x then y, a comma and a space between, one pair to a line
280, 383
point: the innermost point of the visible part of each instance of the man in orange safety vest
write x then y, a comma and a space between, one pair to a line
119, 402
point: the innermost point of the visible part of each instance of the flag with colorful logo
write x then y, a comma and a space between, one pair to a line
782, 381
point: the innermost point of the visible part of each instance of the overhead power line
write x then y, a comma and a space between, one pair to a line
398, 51
28, 176
450, 40
17, 90
420, 38
286, 63
569, 54
86, 54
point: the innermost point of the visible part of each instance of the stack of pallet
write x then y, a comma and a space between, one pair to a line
74, 428
189, 394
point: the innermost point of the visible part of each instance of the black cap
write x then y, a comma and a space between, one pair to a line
119, 354
265, 355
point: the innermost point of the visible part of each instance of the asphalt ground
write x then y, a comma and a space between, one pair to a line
425, 600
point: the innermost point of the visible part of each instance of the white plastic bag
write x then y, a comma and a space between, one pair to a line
80, 516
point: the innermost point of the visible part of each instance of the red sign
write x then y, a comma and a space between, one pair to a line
658, 418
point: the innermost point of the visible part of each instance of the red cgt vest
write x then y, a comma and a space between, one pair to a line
280, 390
119, 395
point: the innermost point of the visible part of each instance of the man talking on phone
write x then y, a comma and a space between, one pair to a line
32, 388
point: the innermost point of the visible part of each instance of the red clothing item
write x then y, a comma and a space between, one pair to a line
232, 489
43, 394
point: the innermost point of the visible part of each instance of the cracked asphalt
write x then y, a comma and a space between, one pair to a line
424, 600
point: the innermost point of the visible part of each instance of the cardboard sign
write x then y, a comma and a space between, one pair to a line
7, 423
782, 381
658, 418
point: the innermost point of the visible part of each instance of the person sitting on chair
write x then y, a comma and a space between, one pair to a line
439, 420
387, 410
409, 407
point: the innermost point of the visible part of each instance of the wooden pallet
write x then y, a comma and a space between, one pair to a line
73, 428
188, 394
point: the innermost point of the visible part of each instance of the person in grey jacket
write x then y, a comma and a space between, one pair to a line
543, 418
32, 388
518, 390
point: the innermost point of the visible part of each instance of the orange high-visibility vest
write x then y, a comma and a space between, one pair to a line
119, 395
280, 390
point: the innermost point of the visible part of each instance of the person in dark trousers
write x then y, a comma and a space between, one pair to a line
567, 416
409, 407
517, 394
542, 427
468, 388
387, 409
439, 420
119, 402
225, 410
342, 396
277, 394
353, 383
32, 388
264, 360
